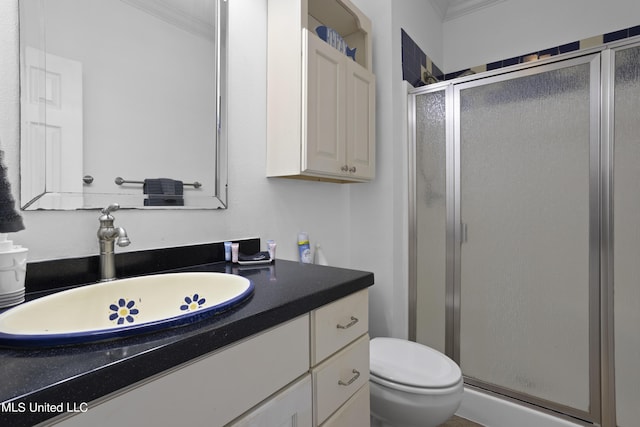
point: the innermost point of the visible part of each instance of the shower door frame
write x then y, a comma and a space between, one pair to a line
601, 315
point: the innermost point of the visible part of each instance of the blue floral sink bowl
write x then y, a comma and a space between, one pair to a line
121, 308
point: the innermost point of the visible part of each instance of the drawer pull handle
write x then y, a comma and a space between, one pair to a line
354, 320
355, 376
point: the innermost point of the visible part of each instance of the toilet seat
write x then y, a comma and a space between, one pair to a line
417, 391
408, 365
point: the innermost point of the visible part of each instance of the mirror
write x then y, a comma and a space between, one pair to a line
123, 101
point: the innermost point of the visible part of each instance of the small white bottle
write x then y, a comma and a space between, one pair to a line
271, 248
235, 247
319, 257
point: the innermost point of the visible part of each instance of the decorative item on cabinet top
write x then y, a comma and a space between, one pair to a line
335, 40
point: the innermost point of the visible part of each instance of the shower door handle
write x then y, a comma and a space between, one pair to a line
463, 232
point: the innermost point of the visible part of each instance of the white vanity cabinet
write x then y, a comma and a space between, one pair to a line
309, 371
320, 102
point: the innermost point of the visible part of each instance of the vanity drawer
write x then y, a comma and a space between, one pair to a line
338, 378
354, 413
335, 325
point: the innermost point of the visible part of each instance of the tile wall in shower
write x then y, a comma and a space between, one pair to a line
417, 66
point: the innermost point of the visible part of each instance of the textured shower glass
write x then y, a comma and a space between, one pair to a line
626, 239
524, 195
431, 218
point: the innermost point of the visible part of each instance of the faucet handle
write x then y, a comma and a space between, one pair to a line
112, 207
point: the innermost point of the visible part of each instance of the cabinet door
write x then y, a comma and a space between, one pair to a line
326, 132
213, 390
290, 407
360, 121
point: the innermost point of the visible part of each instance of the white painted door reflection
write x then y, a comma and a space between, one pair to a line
52, 118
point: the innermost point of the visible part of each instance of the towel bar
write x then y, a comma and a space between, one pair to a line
119, 180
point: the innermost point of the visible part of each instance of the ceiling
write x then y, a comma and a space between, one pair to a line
452, 9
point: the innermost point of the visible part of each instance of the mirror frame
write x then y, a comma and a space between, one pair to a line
217, 200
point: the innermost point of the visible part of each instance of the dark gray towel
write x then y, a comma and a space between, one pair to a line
164, 186
157, 200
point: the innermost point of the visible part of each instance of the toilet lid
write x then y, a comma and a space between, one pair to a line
412, 364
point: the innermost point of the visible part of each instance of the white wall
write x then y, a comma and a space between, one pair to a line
379, 215
517, 27
424, 26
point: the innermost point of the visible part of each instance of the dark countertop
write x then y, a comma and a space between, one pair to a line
78, 375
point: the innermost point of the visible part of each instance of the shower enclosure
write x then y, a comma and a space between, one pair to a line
525, 218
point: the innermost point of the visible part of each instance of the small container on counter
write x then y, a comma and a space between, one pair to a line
304, 249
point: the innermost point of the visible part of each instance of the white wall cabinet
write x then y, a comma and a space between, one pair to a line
340, 116
320, 102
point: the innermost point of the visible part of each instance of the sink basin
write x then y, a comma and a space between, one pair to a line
121, 308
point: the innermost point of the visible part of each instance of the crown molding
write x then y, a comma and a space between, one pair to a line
441, 7
172, 14
453, 9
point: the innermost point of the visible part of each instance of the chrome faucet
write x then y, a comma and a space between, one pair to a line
107, 236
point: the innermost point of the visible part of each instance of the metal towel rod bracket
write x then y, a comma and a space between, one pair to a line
119, 180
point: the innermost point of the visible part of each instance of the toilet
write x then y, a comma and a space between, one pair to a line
412, 385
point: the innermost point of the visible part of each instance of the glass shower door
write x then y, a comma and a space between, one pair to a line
526, 285
430, 223
626, 236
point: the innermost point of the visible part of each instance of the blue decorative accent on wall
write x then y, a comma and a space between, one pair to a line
413, 61
616, 35
511, 61
569, 47
413, 58
494, 65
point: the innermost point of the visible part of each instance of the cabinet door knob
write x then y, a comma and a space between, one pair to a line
344, 168
355, 376
353, 321
352, 169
